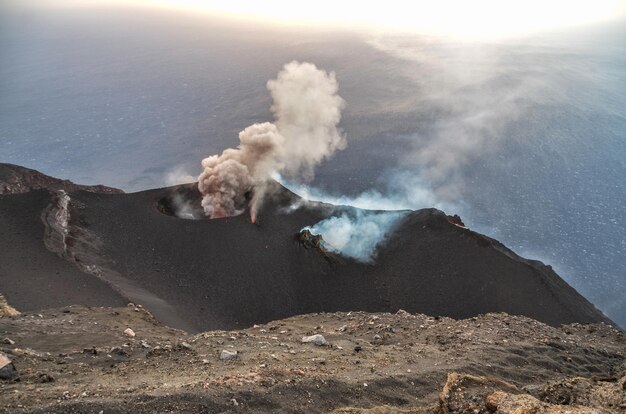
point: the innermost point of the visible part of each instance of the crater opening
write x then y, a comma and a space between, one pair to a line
183, 201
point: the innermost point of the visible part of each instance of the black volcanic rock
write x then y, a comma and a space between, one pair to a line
229, 273
15, 179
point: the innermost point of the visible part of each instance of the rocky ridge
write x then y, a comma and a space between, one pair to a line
79, 359
15, 179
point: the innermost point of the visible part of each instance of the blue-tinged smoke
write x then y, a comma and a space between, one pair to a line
357, 233
360, 230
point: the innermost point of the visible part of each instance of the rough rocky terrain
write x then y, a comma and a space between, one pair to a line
15, 179
79, 359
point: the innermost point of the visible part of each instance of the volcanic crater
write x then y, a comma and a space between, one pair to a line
229, 273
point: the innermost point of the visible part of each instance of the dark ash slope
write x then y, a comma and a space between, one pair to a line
230, 273
31, 276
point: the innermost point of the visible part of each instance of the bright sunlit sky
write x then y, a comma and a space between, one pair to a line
460, 18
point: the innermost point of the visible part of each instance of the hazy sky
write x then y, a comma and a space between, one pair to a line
476, 19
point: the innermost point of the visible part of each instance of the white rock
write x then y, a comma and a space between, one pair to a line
227, 355
317, 339
129, 332
4, 360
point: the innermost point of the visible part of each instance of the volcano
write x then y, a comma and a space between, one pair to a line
99, 247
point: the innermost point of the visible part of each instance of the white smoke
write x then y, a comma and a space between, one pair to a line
357, 234
178, 176
360, 232
403, 190
183, 208
307, 110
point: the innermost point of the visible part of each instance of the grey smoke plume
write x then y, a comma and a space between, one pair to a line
307, 110
476, 91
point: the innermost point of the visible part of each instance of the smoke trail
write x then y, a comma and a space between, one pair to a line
307, 110
476, 91
403, 190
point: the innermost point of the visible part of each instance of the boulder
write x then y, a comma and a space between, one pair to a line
7, 369
501, 402
227, 355
6, 309
465, 393
316, 339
